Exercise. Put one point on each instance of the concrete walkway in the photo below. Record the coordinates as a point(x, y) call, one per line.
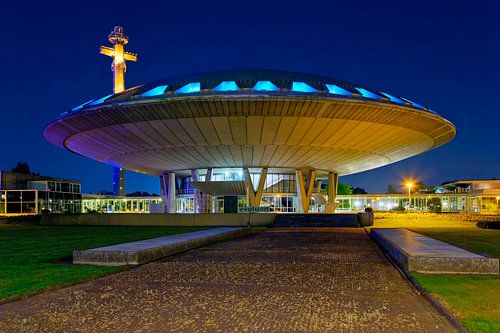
point(418, 253)
point(143, 251)
point(281, 280)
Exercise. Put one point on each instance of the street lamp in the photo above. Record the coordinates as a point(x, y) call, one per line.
point(409, 185)
point(498, 198)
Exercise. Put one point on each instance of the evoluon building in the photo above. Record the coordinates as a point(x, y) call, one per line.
point(226, 140)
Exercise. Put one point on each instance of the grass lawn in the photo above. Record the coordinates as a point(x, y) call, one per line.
point(30, 255)
point(474, 299)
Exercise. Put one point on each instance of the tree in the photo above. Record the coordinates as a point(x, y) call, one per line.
point(22, 167)
point(359, 190)
point(434, 204)
point(391, 189)
point(344, 189)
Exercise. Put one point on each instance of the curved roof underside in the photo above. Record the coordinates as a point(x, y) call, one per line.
point(162, 126)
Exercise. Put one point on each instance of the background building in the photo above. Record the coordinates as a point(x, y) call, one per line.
point(31, 194)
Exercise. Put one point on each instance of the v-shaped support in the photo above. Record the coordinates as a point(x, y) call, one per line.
point(255, 196)
point(304, 193)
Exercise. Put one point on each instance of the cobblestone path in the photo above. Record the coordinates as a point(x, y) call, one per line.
point(281, 280)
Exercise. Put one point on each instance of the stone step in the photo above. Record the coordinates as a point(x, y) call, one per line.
point(140, 252)
point(414, 252)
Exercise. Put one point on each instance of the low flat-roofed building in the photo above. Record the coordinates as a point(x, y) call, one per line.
point(32, 194)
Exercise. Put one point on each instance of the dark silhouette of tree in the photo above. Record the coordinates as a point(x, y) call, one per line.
point(22, 167)
point(359, 190)
point(139, 194)
point(391, 189)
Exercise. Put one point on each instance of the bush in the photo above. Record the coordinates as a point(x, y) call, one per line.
point(488, 225)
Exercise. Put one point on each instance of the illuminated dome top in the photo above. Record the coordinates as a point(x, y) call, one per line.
point(249, 118)
point(263, 82)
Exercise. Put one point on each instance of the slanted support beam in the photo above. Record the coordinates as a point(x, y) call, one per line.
point(167, 184)
point(304, 191)
point(255, 197)
point(333, 182)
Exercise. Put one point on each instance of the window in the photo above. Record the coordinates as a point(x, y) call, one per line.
point(189, 88)
point(414, 104)
point(265, 86)
point(302, 87)
point(336, 90)
point(100, 100)
point(392, 98)
point(76, 108)
point(367, 94)
point(227, 86)
point(155, 91)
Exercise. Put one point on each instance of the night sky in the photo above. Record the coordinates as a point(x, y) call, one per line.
point(442, 54)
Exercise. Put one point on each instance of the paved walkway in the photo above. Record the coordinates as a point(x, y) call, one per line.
point(282, 280)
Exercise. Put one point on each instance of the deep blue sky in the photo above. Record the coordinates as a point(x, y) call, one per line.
point(443, 54)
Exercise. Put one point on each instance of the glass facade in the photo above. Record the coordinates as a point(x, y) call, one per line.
point(104, 204)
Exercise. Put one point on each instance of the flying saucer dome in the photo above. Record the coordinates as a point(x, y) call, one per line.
point(250, 119)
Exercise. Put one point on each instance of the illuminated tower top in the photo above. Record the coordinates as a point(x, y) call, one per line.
point(118, 38)
point(120, 56)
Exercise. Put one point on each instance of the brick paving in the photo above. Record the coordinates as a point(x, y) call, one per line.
point(281, 280)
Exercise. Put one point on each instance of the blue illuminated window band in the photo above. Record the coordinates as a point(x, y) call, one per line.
point(302, 87)
point(336, 90)
point(100, 100)
point(189, 88)
point(227, 86)
point(79, 107)
point(265, 86)
point(160, 90)
point(367, 94)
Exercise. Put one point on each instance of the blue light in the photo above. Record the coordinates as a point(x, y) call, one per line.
point(302, 87)
point(367, 94)
point(265, 86)
point(155, 91)
point(334, 89)
point(414, 104)
point(76, 108)
point(189, 88)
point(227, 86)
point(393, 98)
point(100, 100)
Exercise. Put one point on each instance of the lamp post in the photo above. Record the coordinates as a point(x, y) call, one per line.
point(498, 198)
point(409, 185)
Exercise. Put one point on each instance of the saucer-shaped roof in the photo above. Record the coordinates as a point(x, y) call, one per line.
point(249, 119)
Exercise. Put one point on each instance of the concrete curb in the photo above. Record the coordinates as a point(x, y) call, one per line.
point(140, 252)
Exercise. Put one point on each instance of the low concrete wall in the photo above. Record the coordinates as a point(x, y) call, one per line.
point(140, 252)
point(181, 220)
point(447, 264)
point(317, 220)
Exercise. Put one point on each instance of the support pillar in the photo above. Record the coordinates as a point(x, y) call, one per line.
point(255, 197)
point(304, 193)
point(201, 202)
point(333, 181)
point(167, 185)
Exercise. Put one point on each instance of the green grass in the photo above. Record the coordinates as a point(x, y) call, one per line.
point(31, 256)
point(474, 299)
